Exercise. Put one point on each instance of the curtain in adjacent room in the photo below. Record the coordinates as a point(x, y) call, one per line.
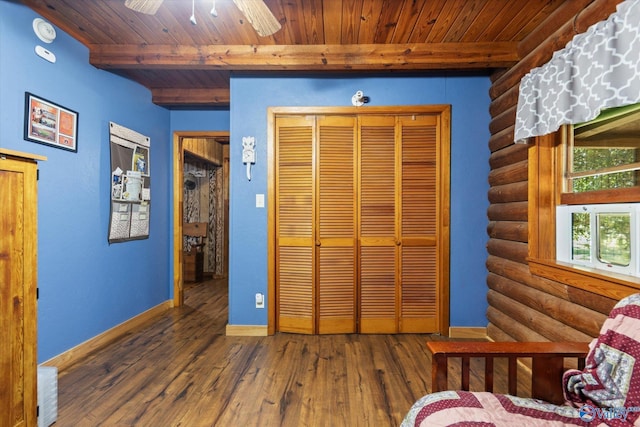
point(205, 203)
point(598, 69)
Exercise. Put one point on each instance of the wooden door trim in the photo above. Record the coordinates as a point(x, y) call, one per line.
point(271, 222)
point(444, 112)
point(178, 173)
point(444, 218)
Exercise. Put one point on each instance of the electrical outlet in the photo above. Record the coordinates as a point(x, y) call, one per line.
point(259, 300)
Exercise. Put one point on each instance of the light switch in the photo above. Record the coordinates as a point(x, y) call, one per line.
point(259, 200)
point(259, 300)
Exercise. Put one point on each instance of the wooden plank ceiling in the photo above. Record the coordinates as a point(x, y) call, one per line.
point(186, 65)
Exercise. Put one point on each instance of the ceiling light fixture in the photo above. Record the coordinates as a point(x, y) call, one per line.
point(193, 12)
point(256, 13)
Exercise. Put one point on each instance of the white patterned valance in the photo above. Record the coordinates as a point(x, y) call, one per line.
point(598, 69)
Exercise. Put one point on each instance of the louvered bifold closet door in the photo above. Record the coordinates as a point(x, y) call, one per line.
point(418, 270)
point(336, 225)
point(378, 224)
point(294, 224)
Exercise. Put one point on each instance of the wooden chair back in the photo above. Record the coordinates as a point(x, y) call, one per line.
point(195, 229)
point(547, 364)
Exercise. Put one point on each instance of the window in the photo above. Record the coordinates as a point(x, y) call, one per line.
point(601, 164)
point(584, 189)
point(600, 236)
point(595, 168)
point(601, 168)
point(604, 154)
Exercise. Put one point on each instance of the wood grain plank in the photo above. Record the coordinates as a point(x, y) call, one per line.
point(407, 20)
point(370, 20)
point(467, 15)
point(389, 14)
point(351, 16)
point(490, 12)
point(426, 21)
point(447, 16)
point(303, 58)
point(312, 15)
point(18, 284)
point(182, 370)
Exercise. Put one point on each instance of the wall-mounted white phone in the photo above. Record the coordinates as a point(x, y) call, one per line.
point(248, 153)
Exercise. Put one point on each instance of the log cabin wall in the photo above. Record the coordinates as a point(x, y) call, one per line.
point(524, 307)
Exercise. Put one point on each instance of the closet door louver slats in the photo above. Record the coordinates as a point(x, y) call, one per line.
point(336, 232)
point(361, 240)
point(294, 225)
point(378, 223)
point(419, 224)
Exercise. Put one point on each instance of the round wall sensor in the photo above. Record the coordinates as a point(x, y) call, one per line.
point(44, 30)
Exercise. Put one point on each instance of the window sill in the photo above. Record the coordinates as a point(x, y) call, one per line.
point(612, 285)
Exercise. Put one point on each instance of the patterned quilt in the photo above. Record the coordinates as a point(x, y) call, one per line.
point(605, 393)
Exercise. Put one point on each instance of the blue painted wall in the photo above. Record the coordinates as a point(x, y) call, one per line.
point(196, 120)
point(86, 285)
point(252, 95)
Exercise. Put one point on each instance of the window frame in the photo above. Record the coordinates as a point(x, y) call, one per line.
point(618, 195)
point(546, 160)
point(564, 239)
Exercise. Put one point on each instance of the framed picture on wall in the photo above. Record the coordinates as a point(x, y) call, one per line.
point(48, 123)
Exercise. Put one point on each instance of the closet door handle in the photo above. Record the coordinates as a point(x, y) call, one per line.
point(398, 242)
point(318, 243)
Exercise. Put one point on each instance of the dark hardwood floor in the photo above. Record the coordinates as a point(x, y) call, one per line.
point(181, 370)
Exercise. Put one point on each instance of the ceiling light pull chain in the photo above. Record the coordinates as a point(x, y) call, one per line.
point(214, 12)
point(193, 12)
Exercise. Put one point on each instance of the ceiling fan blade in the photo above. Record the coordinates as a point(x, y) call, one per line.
point(259, 16)
point(149, 7)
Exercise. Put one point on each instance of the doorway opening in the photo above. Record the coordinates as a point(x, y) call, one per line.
point(200, 195)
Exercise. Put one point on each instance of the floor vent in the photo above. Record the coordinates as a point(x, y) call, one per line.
point(47, 395)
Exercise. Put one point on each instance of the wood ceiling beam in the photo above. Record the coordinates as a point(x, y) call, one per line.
point(369, 57)
point(196, 97)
